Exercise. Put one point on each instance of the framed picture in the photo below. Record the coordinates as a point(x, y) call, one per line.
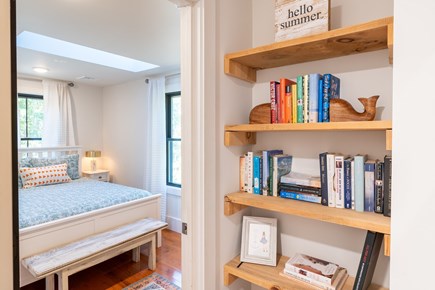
point(259, 240)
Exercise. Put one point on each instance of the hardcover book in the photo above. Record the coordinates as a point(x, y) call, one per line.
point(266, 169)
point(347, 182)
point(300, 196)
point(387, 185)
point(313, 268)
point(301, 188)
point(369, 185)
point(300, 99)
point(282, 165)
point(273, 104)
point(250, 171)
point(320, 98)
point(379, 186)
point(330, 174)
point(286, 100)
point(242, 173)
point(359, 181)
point(367, 263)
point(258, 173)
point(323, 178)
point(331, 90)
point(306, 98)
point(339, 181)
point(294, 90)
point(336, 285)
point(313, 84)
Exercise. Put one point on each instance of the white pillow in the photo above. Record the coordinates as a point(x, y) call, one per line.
point(37, 176)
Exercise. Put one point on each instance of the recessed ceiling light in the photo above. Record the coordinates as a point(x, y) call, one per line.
point(40, 70)
point(62, 48)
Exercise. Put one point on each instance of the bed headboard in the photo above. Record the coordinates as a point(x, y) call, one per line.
point(50, 152)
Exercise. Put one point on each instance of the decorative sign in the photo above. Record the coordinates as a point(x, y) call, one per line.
point(296, 18)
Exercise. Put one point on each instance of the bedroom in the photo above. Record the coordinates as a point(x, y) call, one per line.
point(102, 97)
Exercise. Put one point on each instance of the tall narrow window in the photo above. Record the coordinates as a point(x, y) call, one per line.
point(173, 139)
point(31, 118)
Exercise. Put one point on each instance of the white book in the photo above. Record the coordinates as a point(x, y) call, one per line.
point(339, 181)
point(352, 178)
point(250, 171)
point(330, 173)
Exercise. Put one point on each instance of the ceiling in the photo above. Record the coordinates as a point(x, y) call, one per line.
point(146, 30)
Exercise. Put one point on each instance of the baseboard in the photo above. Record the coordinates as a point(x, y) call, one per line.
point(174, 224)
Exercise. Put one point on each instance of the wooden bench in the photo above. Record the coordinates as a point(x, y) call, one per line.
point(74, 257)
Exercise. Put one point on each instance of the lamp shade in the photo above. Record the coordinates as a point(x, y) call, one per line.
point(93, 153)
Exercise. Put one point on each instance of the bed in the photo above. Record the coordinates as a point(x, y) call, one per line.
point(56, 214)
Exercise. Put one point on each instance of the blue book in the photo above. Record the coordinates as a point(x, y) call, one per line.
point(359, 161)
point(320, 95)
point(347, 183)
point(300, 196)
point(313, 98)
point(369, 185)
point(258, 173)
point(266, 169)
point(331, 90)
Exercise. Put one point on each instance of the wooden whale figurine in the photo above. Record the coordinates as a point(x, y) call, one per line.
point(341, 111)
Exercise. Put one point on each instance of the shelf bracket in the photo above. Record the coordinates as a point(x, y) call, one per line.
point(387, 242)
point(231, 208)
point(239, 138)
point(229, 278)
point(240, 71)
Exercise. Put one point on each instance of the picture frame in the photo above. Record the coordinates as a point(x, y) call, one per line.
point(259, 242)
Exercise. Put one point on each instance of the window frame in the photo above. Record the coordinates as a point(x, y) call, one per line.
point(27, 97)
point(169, 138)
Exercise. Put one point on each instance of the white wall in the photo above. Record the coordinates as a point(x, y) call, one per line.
point(6, 269)
point(362, 75)
point(412, 231)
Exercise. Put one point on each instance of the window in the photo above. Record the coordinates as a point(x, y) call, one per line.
point(173, 139)
point(30, 118)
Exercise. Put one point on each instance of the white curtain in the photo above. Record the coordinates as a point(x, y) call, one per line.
point(58, 120)
point(155, 143)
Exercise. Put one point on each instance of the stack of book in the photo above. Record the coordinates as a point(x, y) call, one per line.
point(316, 272)
point(303, 100)
point(300, 186)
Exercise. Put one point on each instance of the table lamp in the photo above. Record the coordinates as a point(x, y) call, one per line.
point(93, 154)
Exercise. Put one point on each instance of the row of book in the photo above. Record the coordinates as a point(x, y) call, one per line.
point(356, 182)
point(305, 100)
point(330, 276)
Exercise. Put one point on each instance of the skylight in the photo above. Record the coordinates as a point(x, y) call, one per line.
point(59, 47)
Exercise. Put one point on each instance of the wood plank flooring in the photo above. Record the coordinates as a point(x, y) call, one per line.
point(121, 271)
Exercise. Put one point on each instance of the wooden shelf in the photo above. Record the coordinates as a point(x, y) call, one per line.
point(244, 134)
point(351, 218)
point(268, 277)
point(366, 37)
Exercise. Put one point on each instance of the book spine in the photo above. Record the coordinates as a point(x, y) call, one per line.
point(257, 174)
point(313, 84)
point(272, 102)
point(300, 196)
point(352, 182)
point(359, 182)
point(379, 187)
point(387, 185)
point(300, 99)
point(369, 186)
point(294, 90)
point(246, 173)
point(301, 189)
point(308, 280)
point(288, 105)
point(250, 164)
point(330, 173)
point(306, 95)
point(275, 176)
point(369, 257)
point(313, 276)
point(242, 173)
point(323, 178)
point(334, 88)
point(278, 97)
point(320, 97)
point(326, 85)
point(339, 181)
point(347, 183)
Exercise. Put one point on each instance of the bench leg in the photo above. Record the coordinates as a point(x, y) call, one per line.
point(62, 281)
point(152, 254)
point(136, 254)
point(49, 282)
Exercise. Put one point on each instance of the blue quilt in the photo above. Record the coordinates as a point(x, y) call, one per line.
point(43, 204)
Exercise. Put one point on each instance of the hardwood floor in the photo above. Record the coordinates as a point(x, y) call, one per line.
point(121, 271)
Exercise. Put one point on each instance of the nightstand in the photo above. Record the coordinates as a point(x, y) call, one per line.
point(101, 175)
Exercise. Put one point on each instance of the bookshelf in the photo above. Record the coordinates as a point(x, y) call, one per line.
point(269, 277)
point(361, 38)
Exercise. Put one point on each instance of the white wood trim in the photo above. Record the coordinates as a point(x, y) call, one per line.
point(184, 3)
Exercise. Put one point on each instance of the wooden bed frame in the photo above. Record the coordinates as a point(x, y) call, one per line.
point(40, 238)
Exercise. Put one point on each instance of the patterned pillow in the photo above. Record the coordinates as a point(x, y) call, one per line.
point(37, 176)
point(72, 160)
